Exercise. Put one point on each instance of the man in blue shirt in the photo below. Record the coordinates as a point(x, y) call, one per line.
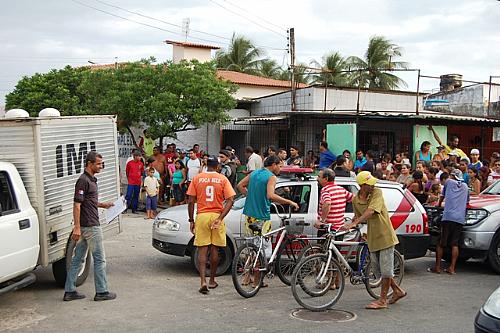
point(258, 187)
point(456, 193)
point(326, 157)
point(360, 161)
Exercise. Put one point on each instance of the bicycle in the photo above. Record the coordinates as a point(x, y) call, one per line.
point(250, 263)
point(318, 280)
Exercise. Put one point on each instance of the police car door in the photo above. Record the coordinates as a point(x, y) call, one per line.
point(301, 193)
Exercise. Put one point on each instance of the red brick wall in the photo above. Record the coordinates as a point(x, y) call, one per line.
point(470, 137)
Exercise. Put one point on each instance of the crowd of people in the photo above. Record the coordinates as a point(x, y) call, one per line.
point(424, 175)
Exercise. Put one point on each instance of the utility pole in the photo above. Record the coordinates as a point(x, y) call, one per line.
point(291, 37)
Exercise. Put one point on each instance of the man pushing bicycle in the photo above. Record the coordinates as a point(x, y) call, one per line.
point(369, 206)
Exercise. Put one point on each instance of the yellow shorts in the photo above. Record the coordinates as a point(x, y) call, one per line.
point(265, 225)
point(204, 235)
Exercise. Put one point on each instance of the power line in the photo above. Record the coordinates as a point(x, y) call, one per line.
point(158, 20)
point(142, 23)
point(248, 19)
point(260, 18)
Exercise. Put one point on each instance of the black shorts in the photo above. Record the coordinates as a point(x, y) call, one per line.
point(450, 233)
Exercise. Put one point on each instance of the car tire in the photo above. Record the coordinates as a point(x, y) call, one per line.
point(225, 260)
point(61, 267)
point(494, 254)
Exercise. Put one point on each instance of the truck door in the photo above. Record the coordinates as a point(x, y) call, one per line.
point(18, 233)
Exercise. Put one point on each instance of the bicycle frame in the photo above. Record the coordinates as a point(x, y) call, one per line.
point(276, 249)
point(332, 249)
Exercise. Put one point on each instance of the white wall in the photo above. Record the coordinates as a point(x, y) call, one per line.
point(189, 53)
point(249, 91)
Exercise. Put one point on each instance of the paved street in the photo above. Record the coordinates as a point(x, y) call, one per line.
point(158, 293)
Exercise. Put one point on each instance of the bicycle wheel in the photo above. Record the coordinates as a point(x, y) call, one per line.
point(373, 282)
point(248, 270)
point(311, 249)
point(287, 258)
point(313, 282)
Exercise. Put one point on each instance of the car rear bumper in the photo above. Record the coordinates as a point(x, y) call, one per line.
point(413, 246)
point(484, 323)
point(169, 248)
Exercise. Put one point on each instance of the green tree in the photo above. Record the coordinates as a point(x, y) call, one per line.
point(371, 71)
point(57, 89)
point(302, 74)
point(241, 56)
point(333, 66)
point(269, 68)
point(168, 98)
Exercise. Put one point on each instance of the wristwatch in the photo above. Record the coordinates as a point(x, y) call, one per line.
point(191, 220)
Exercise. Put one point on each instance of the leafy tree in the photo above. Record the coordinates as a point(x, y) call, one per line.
point(57, 89)
point(333, 66)
point(372, 69)
point(167, 98)
point(241, 56)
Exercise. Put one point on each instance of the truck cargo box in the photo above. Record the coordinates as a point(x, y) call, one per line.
point(49, 154)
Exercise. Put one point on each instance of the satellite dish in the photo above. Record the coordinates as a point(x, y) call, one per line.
point(17, 113)
point(49, 112)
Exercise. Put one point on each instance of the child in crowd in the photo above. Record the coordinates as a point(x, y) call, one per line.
point(433, 198)
point(151, 185)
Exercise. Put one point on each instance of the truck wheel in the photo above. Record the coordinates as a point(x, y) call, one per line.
point(494, 254)
point(225, 260)
point(60, 267)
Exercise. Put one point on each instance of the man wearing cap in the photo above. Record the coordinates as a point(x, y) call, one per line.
point(369, 206)
point(456, 193)
point(453, 143)
point(214, 196)
point(475, 163)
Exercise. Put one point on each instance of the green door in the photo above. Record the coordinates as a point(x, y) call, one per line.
point(341, 137)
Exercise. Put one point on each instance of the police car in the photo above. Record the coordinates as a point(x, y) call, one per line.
point(171, 234)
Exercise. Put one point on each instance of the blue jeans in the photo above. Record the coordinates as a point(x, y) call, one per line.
point(133, 196)
point(91, 238)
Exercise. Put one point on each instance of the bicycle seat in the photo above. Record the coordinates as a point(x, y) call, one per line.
point(255, 227)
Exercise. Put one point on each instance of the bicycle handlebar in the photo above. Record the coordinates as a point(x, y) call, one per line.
point(282, 217)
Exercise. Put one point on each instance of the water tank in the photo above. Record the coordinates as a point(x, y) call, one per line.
point(17, 113)
point(450, 82)
point(49, 112)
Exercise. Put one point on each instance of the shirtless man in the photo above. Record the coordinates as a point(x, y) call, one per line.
point(160, 165)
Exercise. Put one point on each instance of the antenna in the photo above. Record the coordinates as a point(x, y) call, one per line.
point(185, 28)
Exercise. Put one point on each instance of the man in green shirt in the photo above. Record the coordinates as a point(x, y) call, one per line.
point(369, 206)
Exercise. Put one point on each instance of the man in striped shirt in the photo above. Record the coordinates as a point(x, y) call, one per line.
point(333, 200)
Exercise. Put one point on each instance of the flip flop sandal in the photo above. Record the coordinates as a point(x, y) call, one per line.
point(432, 270)
point(214, 286)
point(376, 306)
point(396, 298)
point(450, 272)
point(203, 290)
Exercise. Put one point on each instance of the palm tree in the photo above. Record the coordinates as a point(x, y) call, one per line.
point(371, 71)
point(333, 66)
point(241, 56)
point(269, 68)
point(302, 74)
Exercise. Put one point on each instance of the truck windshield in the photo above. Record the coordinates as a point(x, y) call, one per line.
point(494, 189)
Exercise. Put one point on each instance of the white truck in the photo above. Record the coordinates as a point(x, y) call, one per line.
point(40, 161)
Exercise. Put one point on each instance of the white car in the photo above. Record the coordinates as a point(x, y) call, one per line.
point(171, 232)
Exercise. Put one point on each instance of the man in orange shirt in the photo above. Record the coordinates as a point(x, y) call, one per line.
point(214, 195)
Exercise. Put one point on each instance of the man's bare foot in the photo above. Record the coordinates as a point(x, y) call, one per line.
point(434, 270)
point(376, 305)
point(396, 297)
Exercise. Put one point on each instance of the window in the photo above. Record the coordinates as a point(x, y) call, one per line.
point(297, 193)
point(354, 190)
point(393, 199)
point(8, 203)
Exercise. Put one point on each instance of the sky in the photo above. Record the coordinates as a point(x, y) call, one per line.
point(437, 37)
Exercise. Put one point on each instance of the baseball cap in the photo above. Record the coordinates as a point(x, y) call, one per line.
point(453, 153)
point(474, 151)
point(365, 177)
point(457, 174)
point(212, 161)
